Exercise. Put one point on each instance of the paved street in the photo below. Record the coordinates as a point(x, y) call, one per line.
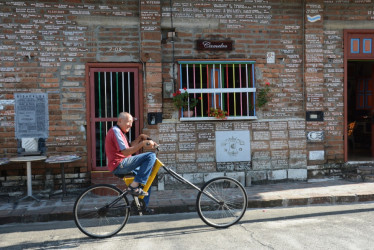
point(313, 227)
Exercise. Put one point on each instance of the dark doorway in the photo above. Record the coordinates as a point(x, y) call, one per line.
point(360, 97)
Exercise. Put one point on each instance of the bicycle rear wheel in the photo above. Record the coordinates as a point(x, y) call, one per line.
point(222, 202)
point(100, 211)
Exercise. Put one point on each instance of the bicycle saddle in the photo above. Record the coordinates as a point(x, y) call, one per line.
point(121, 176)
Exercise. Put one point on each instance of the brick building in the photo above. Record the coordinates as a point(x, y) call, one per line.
point(94, 59)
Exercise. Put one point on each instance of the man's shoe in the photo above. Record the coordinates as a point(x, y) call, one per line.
point(137, 191)
point(149, 211)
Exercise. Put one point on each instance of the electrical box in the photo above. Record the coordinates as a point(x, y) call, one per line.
point(154, 118)
point(316, 116)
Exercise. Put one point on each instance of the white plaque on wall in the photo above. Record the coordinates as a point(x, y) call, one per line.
point(316, 155)
point(232, 146)
point(270, 57)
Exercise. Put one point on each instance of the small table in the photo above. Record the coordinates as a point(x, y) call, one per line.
point(28, 160)
point(4, 161)
point(61, 159)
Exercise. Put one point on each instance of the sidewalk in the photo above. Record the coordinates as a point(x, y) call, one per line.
point(172, 201)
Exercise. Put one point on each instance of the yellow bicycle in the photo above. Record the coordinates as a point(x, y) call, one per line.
point(103, 210)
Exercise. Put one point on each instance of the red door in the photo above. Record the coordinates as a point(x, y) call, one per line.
point(365, 100)
point(112, 88)
point(371, 84)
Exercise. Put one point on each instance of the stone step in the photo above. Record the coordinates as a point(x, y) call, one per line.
point(359, 171)
point(368, 178)
point(365, 170)
point(353, 177)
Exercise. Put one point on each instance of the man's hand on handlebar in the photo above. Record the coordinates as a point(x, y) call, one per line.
point(150, 144)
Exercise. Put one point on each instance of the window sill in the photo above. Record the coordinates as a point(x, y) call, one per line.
point(238, 118)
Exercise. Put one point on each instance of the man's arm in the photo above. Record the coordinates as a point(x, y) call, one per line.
point(136, 147)
point(139, 143)
point(140, 138)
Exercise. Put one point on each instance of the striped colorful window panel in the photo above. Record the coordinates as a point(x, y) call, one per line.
point(225, 85)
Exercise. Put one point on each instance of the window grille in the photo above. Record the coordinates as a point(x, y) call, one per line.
point(225, 85)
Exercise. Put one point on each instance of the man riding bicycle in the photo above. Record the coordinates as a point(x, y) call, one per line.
point(120, 153)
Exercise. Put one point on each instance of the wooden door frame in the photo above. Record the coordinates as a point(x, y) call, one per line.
point(89, 66)
point(347, 33)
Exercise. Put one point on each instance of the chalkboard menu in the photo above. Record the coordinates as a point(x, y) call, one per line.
point(31, 115)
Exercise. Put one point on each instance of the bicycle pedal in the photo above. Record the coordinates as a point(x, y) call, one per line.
point(137, 206)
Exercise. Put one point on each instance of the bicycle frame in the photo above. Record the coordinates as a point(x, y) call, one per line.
point(156, 167)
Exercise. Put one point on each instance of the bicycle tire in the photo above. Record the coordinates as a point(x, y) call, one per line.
point(230, 204)
point(95, 217)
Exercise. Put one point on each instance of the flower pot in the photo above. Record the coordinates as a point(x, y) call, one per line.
point(188, 113)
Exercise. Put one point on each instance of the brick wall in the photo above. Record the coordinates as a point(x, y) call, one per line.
point(278, 150)
point(44, 47)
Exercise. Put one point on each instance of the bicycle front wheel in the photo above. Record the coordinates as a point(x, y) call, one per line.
point(101, 211)
point(222, 202)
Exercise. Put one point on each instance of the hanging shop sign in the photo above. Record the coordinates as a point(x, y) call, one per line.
point(213, 45)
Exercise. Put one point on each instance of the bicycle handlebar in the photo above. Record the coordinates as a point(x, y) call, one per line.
point(156, 147)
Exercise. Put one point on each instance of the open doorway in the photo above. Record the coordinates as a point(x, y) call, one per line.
point(358, 94)
point(360, 97)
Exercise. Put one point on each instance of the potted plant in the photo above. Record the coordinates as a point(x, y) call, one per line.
point(183, 100)
point(217, 113)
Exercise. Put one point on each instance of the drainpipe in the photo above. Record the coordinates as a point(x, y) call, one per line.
point(303, 62)
point(140, 44)
point(172, 41)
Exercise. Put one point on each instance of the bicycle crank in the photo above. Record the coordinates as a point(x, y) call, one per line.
point(138, 205)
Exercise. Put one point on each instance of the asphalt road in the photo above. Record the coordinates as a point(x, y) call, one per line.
point(315, 227)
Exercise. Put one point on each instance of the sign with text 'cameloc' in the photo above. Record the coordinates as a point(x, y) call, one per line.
point(213, 45)
point(31, 115)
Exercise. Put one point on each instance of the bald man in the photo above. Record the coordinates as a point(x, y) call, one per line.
point(120, 153)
